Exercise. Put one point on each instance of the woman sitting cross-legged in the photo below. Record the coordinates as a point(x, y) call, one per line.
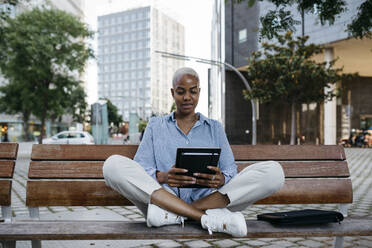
point(156, 187)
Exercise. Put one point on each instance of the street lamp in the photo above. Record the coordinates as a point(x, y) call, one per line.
point(220, 63)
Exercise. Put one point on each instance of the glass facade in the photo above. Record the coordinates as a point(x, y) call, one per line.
point(125, 55)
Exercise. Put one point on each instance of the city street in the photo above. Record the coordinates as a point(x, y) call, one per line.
point(360, 165)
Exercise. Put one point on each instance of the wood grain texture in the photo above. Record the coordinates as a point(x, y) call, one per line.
point(80, 152)
point(241, 152)
point(307, 169)
point(72, 193)
point(65, 169)
point(97, 230)
point(8, 150)
point(5, 192)
point(288, 152)
point(6, 168)
point(312, 191)
point(93, 169)
point(96, 193)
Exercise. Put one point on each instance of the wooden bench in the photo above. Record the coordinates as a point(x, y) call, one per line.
point(8, 154)
point(71, 175)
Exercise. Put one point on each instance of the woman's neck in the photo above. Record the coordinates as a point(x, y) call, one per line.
point(188, 117)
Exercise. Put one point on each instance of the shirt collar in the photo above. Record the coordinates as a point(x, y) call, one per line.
point(202, 118)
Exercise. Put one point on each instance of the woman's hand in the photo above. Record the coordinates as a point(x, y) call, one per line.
point(174, 178)
point(212, 181)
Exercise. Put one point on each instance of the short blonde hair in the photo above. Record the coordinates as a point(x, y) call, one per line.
point(182, 72)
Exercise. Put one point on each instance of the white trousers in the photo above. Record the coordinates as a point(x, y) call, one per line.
point(253, 183)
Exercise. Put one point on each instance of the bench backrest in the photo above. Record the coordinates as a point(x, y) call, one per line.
point(8, 155)
point(71, 175)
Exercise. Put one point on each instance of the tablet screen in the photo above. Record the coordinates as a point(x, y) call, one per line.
point(197, 160)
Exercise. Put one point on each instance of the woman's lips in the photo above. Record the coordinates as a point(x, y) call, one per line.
point(187, 106)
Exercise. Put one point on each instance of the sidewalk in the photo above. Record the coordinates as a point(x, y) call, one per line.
point(360, 164)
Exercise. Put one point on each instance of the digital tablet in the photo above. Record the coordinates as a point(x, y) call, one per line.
point(196, 160)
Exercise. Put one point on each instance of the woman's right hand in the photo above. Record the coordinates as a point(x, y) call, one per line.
point(174, 178)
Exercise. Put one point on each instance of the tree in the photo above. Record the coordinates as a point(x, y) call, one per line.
point(286, 72)
point(44, 50)
point(113, 116)
point(10, 103)
point(281, 20)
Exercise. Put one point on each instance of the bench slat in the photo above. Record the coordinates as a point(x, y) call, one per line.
point(96, 193)
point(8, 150)
point(306, 169)
point(5, 194)
point(6, 168)
point(287, 152)
point(65, 169)
point(80, 152)
point(95, 230)
point(93, 169)
point(72, 193)
point(241, 152)
point(312, 191)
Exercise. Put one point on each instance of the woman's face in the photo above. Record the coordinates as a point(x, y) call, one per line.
point(186, 93)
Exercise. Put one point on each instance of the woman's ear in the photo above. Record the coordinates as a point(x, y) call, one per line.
point(172, 92)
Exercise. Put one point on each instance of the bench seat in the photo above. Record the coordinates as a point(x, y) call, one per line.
point(95, 230)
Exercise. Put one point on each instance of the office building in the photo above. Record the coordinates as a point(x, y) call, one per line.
point(131, 74)
point(318, 123)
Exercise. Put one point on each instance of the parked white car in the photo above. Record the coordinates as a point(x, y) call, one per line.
point(70, 137)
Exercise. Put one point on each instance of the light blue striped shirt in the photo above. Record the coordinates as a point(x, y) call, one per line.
point(161, 139)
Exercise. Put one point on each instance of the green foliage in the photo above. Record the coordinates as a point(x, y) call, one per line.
point(280, 20)
point(286, 72)
point(113, 116)
point(174, 107)
point(361, 26)
point(142, 125)
point(44, 51)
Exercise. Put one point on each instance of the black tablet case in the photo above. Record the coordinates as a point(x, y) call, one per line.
point(197, 160)
point(302, 217)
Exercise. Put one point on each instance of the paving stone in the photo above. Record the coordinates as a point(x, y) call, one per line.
point(198, 243)
point(311, 243)
point(226, 243)
point(168, 244)
point(256, 242)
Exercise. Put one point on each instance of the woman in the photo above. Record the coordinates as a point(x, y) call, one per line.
point(154, 185)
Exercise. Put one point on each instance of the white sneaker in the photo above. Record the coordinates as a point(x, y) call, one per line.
point(222, 220)
point(157, 216)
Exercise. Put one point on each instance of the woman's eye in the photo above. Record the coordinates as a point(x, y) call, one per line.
point(180, 92)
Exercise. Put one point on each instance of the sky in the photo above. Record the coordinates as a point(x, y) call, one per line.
point(195, 15)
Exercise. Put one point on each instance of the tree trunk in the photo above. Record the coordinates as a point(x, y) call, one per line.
point(42, 131)
point(26, 131)
point(293, 123)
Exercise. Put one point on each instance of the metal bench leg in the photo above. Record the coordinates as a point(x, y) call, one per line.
point(6, 212)
point(34, 214)
point(8, 244)
point(339, 242)
point(342, 208)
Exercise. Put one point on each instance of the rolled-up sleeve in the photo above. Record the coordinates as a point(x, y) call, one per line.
point(227, 162)
point(145, 153)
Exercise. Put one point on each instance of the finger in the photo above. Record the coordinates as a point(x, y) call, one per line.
point(204, 175)
point(214, 168)
point(177, 170)
point(176, 183)
point(181, 177)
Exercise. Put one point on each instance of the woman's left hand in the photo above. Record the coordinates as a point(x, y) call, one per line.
point(209, 180)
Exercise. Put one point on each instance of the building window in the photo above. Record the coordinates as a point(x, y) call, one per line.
point(243, 35)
